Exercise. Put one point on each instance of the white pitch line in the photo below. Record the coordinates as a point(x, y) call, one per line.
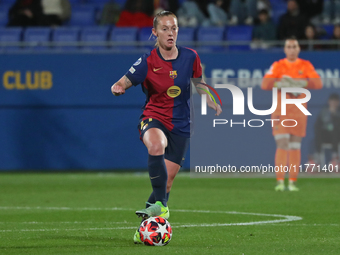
point(309, 225)
point(64, 222)
point(231, 212)
point(129, 209)
point(286, 218)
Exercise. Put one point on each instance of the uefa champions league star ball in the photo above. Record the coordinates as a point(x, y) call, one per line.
point(155, 231)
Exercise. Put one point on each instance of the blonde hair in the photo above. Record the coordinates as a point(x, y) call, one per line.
point(161, 15)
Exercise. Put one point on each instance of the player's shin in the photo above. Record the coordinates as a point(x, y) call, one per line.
point(281, 158)
point(294, 160)
point(158, 176)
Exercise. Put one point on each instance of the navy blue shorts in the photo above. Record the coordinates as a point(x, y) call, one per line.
point(177, 145)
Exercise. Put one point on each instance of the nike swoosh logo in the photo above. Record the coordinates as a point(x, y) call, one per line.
point(155, 70)
point(154, 177)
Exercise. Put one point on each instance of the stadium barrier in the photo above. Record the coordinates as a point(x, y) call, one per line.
point(109, 44)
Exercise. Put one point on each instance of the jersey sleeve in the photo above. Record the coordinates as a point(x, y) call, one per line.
point(197, 67)
point(273, 71)
point(270, 76)
point(310, 70)
point(315, 81)
point(138, 71)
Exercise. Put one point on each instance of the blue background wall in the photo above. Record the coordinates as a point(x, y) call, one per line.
point(78, 124)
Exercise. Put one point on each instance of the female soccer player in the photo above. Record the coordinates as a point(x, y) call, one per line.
point(164, 126)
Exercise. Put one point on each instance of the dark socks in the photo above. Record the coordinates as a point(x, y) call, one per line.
point(158, 176)
point(167, 196)
point(152, 199)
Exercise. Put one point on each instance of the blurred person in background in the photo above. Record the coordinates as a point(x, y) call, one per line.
point(294, 72)
point(310, 37)
point(327, 129)
point(136, 13)
point(193, 13)
point(25, 13)
point(336, 36)
point(263, 4)
point(293, 22)
point(242, 11)
point(312, 9)
point(218, 13)
point(110, 14)
point(55, 12)
point(264, 30)
point(169, 5)
point(331, 12)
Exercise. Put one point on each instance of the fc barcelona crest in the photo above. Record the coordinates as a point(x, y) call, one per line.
point(173, 74)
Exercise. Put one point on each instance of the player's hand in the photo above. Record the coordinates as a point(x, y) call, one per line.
point(215, 107)
point(301, 83)
point(117, 90)
point(289, 82)
point(294, 83)
point(285, 82)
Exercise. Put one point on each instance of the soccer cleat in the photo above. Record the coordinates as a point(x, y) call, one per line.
point(292, 187)
point(280, 187)
point(156, 209)
point(136, 237)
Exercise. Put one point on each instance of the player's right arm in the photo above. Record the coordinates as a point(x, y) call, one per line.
point(136, 75)
point(120, 86)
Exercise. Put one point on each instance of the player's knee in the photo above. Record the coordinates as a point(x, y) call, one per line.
point(294, 145)
point(282, 141)
point(156, 148)
point(283, 146)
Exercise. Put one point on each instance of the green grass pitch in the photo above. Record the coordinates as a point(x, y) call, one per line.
point(93, 213)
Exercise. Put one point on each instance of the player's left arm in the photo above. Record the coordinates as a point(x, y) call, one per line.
point(314, 80)
point(201, 88)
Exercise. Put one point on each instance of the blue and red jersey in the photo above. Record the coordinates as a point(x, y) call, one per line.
point(166, 84)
